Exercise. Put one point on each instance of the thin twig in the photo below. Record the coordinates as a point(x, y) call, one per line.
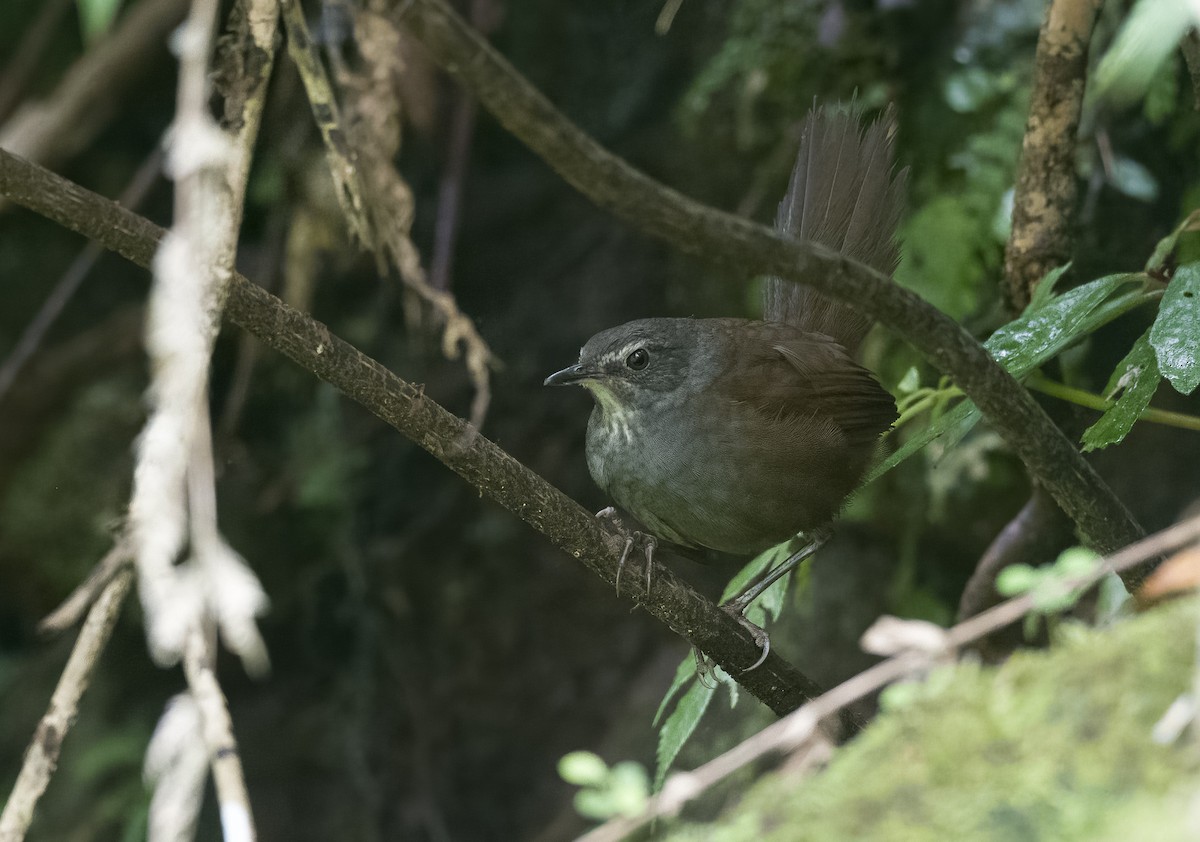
point(41, 758)
point(81, 599)
point(795, 730)
point(1090, 400)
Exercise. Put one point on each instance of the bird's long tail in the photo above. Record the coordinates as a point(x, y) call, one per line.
point(844, 194)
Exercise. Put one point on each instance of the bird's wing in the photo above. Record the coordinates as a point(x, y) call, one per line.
point(793, 374)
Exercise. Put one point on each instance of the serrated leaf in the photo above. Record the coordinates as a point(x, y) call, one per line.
point(1176, 332)
point(582, 768)
point(1135, 379)
point(683, 674)
point(679, 727)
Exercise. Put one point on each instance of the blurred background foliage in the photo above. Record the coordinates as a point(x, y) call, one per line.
point(432, 657)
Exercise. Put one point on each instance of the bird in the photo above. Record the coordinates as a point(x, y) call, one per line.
point(734, 434)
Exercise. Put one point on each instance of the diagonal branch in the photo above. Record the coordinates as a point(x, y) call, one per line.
point(1103, 522)
point(404, 406)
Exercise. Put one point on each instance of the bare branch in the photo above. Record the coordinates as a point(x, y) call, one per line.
point(41, 758)
point(83, 597)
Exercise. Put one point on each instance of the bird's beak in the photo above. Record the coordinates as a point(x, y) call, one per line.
point(571, 374)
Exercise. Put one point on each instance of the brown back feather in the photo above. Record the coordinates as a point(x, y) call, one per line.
point(787, 374)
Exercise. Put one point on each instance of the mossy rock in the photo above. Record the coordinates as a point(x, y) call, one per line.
point(1051, 746)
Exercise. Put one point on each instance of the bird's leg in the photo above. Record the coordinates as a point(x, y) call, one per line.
point(737, 606)
point(649, 545)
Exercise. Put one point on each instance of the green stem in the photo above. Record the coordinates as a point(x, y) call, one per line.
point(1093, 401)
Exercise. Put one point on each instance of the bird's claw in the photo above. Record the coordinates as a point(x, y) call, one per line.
point(757, 632)
point(649, 545)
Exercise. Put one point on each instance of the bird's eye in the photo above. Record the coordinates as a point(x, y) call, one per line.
point(638, 359)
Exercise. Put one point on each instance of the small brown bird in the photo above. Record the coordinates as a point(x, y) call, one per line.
point(737, 435)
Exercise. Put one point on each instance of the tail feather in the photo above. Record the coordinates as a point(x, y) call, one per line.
point(844, 195)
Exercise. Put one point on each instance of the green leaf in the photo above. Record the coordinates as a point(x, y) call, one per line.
point(679, 727)
point(1167, 245)
point(1176, 332)
point(683, 674)
point(1043, 293)
point(732, 686)
point(594, 804)
point(1076, 561)
point(583, 768)
point(761, 563)
point(1150, 34)
point(629, 786)
point(1136, 379)
point(96, 17)
point(1029, 341)
point(1017, 579)
point(1036, 336)
point(953, 425)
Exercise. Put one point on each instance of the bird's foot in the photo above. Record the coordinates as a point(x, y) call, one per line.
point(649, 545)
point(734, 609)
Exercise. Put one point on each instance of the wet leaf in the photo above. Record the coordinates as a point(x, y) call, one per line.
point(1176, 332)
point(1135, 380)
